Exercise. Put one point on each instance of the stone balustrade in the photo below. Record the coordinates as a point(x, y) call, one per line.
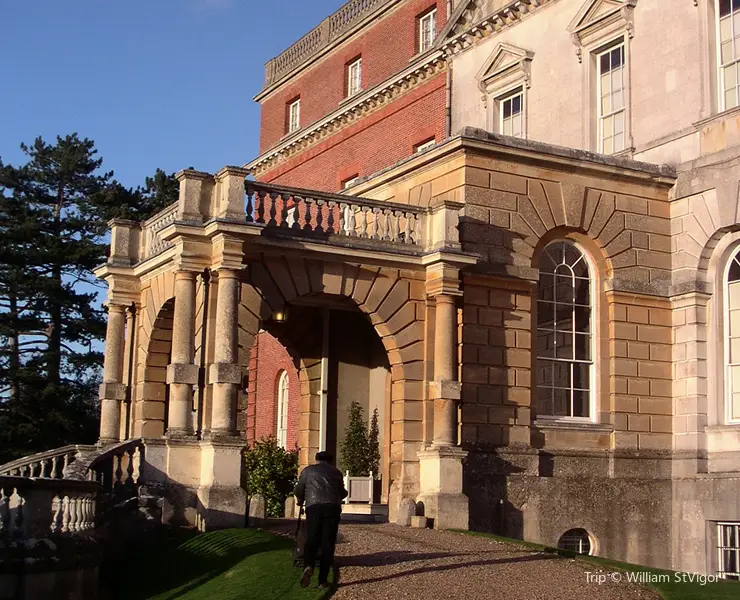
point(51, 464)
point(35, 508)
point(302, 211)
point(329, 30)
point(151, 243)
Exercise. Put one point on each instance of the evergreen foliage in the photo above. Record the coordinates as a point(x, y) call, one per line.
point(360, 450)
point(271, 471)
point(373, 445)
point(53, 224)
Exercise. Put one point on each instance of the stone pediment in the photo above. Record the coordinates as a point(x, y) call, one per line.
point(505, 63)
point(598, 19)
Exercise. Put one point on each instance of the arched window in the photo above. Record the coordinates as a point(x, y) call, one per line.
point(282, 409)
point(565, 344)
point(732, 339)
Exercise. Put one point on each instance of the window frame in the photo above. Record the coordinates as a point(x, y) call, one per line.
point(282, 405)
point(619, 42)
point(355, 63)
point(430, 15)
point(348, 183)
point(593, 417)
point(721, 100)
point(727, 400)
point(721, 567)
point(519, 90)
point(294, 103)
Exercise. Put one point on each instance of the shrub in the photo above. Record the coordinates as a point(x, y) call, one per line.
point(271, 471)
point(360, 449)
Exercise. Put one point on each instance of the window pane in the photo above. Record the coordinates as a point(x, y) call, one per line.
point(735, 408)
point(583, 347)
point(616, 58)
point(616, 80)
point(544, 373)
point(618, 142)
point(726, 52)
point(730, 76)
point(564, 289)
point(556, 254)
point(604, 63)
point(581, 404)
point(545, 289)
point(724, 7)
point(561, 374)
point(619, 123)
point(582, 291)
point(564, 345)
point(546, 345)
point(581, 376)
point(583, 319)
point(545, 315)
point(507, 127)
point(507, 109)
point(517, 104)
point(561, 403)
point(735, 323)
point(517, 129)
point(544, 400)
point(608, 146)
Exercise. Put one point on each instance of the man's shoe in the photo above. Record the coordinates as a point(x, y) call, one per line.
point(306, 577)
point(324, 585)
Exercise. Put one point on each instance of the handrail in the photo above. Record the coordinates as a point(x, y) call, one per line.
point(49, 464)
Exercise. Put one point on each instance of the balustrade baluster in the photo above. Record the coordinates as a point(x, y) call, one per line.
point(407, 228)
point(297, 203)
point(65, 514)
point(260, 200)
point(5, 495)
point(56, 514)
point(309, 203)
point(55, 468)
point(273, 208)
point(376, 224)
point(363, 222)
point(342, 220)
point(118, 473)
point(130, 468)
point(284, 211)
point(250, 206)
point(319, 216)
point(331, 207)
point(394, 218)
point(352, 221)
point(46, 469)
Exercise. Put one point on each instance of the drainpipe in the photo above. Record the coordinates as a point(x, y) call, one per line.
point(132, 329)
point(448, 100)
point(324, 380)
point(206, 276)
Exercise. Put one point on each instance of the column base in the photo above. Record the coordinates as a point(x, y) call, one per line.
point(222, 502)
point(441, 487)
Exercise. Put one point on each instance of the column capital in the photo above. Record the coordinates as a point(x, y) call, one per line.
point(228, 253)
point(443, 279)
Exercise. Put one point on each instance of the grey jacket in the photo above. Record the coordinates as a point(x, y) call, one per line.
point(320, 484)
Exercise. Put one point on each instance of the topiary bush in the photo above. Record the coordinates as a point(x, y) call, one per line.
point(271, 471)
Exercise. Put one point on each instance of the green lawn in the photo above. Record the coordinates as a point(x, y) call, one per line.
point(671, 590)
point(242, 564)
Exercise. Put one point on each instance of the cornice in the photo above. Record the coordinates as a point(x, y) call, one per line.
point(351, 112)
point(452, 43)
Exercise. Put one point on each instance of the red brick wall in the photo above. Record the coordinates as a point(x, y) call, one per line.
point(378, 141)
point(386, 48)
point(269, 358)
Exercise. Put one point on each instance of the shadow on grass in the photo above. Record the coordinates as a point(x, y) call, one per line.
point(179, 565)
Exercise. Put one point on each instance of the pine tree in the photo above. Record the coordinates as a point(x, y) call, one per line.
point(354, 447)
point(53, 224)
point(373, 445)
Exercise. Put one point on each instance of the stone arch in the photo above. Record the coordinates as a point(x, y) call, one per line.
point(394, 302)
point(150, 416)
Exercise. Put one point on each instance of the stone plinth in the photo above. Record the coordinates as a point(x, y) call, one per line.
point(441, 487)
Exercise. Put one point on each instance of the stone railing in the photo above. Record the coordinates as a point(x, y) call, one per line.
point(52, 464)
point(329, 30)
point(151, 243)
point(35, 508)
point(305, 212)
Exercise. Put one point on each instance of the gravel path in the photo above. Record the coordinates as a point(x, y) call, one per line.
point(389, 562)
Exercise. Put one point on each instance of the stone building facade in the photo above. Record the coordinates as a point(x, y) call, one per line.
point(547, 292)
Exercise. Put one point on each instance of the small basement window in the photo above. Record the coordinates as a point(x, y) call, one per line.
point(576, 540)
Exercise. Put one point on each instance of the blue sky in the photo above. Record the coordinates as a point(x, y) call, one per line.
point(156, 83)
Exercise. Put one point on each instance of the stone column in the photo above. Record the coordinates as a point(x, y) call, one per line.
point(182, 373)
point(441, 464)
point(445, 372)
point(112, 390)
point(225, 372)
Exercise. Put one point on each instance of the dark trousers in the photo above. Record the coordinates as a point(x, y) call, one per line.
point(322, 524)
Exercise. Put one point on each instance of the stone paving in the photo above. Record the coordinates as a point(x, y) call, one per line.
point(389, 562)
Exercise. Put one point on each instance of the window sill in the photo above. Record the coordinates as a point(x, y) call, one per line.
point(572, 425)
point(720, 116)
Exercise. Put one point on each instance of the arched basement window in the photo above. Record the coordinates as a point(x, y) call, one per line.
point(732, 339)
point(576, 540)
point(565, 345)
point(282, 409)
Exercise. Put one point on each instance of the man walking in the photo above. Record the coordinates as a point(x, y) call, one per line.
point(321, 488)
